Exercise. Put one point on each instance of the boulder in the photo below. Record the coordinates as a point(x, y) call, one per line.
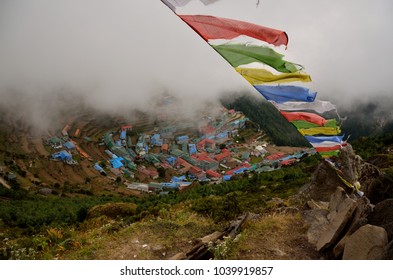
point(312, 204)
point(377, 187)
point(367, 243)
point(211, 237)
point(336, 199)
point(324, 183)
point(388, 252)
point(336, 224)
point(389, 230)
point(350, 163)
point(360, 218)
point(45, 191)
point(317, 222)
point(383, 213)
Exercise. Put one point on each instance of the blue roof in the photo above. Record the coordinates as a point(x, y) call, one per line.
point(192, 149)
point(227, 177)
point(63, 155)
point(171, 160)
point(178, 179)
point(222, 135)
point(183, 137)
point(170, 185)
point(116, 162)
point(69, 145)
point(98, 167)
point(123, 135)
point(240, 170)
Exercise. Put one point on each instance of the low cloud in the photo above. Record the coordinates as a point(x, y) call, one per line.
point(116, 56)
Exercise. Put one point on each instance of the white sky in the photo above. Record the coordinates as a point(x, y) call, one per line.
point(119, 53)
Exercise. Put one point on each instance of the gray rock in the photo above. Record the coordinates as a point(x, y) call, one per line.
point(350, 163)
point(317, 223)
point(339, 220)
point(211, 237)
point(367, 243)
point(336, 199)
point(324, 183)
point(45, 191)
point(312, 204)
point(360, 218)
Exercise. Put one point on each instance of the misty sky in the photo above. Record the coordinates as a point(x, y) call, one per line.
point(121, 53)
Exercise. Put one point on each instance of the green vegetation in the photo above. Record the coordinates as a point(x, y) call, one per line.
point(269, 120)
point(370, 146)
point(28, 216)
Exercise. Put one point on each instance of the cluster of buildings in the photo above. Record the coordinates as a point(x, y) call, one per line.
point(198, 155)
point(206, 153)
point(65, 147)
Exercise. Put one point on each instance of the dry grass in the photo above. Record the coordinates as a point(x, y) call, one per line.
point(275, 237)
point(172, 232)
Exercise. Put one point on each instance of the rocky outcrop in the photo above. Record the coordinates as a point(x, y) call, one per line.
point(338, 230)
point(367, 243)
point(383, 216)
point(360, 218)
point(377, 187)
point(350, 164)
point(317, 221)
point(323, 183)
point(383, 213)
point(337, 221)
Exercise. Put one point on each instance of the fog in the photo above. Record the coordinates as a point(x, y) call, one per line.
point(119, 55)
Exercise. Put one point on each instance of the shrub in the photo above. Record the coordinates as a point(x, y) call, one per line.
point(113, 210)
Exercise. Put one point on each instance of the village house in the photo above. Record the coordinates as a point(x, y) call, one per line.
point(206, 144)
point(197, 172)
point(223, 156)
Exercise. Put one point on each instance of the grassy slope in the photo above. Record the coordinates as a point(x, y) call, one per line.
point(166, 224)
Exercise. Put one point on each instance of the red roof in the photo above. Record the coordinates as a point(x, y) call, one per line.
point(164, 147)
point(126, 127)
point(231, 172)
point(182, 162)
point(224, 154)
point(166, 165)
point(195, 169)
point(275, 156)
point(202, 143)
point(288, 162)
point(213, 174)
point(202, 157)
